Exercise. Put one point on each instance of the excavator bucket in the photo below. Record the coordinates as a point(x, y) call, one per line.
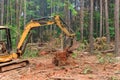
point(13, 65)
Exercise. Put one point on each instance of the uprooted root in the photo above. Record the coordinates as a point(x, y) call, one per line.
point(61, 58)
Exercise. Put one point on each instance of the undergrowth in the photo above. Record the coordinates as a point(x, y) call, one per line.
point(105, 58)
point(30, 53)
point(87, 70)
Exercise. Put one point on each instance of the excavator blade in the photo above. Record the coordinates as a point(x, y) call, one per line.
point(7, 66)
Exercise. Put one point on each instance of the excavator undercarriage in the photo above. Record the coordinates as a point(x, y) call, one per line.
point(14, 64)
point(10, 60)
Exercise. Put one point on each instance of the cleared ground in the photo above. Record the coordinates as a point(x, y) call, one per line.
point(82, 66)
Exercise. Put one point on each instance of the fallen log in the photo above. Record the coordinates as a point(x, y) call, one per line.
point(63, 78)
point(108, 51)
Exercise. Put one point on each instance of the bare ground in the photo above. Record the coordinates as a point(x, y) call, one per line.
point(81, 67)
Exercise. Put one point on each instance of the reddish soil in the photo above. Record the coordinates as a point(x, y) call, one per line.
point(81, 67)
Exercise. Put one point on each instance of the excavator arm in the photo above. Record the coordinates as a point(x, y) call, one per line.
point(29, 26)
point(34, 24)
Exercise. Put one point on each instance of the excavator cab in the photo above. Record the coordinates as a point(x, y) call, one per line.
point(5, 40)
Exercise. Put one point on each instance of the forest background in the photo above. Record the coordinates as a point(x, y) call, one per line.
point(89, 19)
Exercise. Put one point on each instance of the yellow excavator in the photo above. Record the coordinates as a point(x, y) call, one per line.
point(11, 60)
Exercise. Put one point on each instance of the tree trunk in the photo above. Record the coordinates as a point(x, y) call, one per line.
point(2, 11)
point(10, 12)
point(7, 18)
point(20, 13)
point(67, 13)
point(67, 19)
point(106, 21)
point(17, 13)
point(81, 18)
point(24, 12)
point(17, 20)
point(116, 18)
point(101, 18)
point(91, 26)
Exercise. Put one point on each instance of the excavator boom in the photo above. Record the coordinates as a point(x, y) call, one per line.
point(38, 23)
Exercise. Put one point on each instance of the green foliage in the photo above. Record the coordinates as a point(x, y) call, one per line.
point(113, 78)
point(54, 4)
point(14, 34)
point(97, 16)
point(59, 4)
point(108, 58)
point(57, 13)
point(86, 24)
point(78, 35)
point(82, 46)
point(33, 8)
point(111, 10)
point(97, 23)
point(112, 32)
point(51, 4)
point(74, 55)
point(111, 28)
point(111, 20)
point(30, 53)
point(87, 70)
point(71, 7)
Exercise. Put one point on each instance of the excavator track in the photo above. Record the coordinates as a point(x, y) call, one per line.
point(13, 65)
